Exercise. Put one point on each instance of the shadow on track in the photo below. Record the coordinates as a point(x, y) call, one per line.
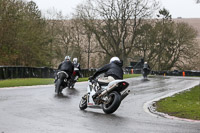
point(72, 91)
point(59, 96)
point(103, 116)
point(145, 80)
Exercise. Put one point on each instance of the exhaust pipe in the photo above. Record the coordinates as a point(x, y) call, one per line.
point(108, 90)
point(125, 94)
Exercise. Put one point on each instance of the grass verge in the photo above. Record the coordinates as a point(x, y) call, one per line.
point(42, 81)
point(125, 76)
point(25, 82)
point(183, 105)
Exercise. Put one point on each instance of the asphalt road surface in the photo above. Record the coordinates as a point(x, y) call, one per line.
point(37, 109)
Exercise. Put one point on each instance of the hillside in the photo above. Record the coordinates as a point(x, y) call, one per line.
point(194, 22)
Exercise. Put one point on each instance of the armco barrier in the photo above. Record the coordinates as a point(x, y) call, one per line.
point(177, 73)
point(9, 72)
point(87, 72)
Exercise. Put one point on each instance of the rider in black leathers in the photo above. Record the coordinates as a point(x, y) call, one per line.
point(146, 66)
point(67, 66)
point(113, 69)
point(146, 70)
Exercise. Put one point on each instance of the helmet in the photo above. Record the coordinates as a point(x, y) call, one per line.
point(67, 58)
point(114, 59)
point(75, 60)
point(145, 62)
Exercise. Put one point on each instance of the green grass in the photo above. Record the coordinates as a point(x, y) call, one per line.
point(83, 79)
point(25, 82)
point(42, 81)
point(131, 75)
point(183, 105)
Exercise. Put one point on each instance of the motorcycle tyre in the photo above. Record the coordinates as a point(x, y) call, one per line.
point(114, 105)
point(144, 76)
point(58, 89)
point(83, 103)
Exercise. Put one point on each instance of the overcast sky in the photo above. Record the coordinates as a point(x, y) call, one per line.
point(178, 8)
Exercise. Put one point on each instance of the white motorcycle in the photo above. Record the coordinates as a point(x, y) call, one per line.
point(108, 96)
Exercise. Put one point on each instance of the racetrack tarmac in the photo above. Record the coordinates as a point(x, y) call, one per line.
point(37, 109)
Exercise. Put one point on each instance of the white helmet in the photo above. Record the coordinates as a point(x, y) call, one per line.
point(145, 62)
point(75, 60)
point(67, 58)
point(114, 59)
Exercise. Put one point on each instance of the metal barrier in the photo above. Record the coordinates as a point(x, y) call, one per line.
point(177, 73)
point(9, 72)
point(87, 72)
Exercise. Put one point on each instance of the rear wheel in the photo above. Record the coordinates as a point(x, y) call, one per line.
point(113, 103)
point(83, 102)
point(58, 88)
point(145, 76)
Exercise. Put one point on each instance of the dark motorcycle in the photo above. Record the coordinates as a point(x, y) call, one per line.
point(74, 78)
point(145, 72)
point(61, 81)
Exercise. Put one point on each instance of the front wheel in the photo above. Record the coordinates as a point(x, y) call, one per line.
point(83, 102)
point(113, 103)
point(145, 76)
point(70, 84)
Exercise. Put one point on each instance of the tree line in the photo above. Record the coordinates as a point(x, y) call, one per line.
point(97, 31)
point(23, 36)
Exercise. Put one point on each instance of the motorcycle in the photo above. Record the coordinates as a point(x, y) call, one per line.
point(145, 72)
point(61, 82)
point(109, 95)
point(74, 78)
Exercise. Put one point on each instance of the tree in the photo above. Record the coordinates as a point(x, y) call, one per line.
point(164, 30)
point(78, 41)
point(115, 23)
point(166, 44)
point(23, 36)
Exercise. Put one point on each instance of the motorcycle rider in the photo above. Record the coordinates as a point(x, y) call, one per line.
point(66, 66)
point(112, 71)
point(146, 66)
point(77, 67)
point(146, 69)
